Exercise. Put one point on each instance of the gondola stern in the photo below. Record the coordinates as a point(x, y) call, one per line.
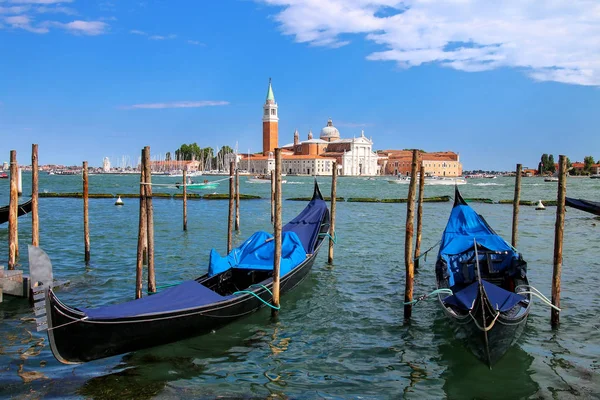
point(317, 192)
point(458, 199)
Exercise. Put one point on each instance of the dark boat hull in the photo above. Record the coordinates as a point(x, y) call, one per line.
point(584, 205)
point(22, 209)
point(490, 346)
point(83, 340)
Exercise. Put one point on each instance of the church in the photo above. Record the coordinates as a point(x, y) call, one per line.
point(312, 156)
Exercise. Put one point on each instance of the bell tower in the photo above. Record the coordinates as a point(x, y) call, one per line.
point(270, 123)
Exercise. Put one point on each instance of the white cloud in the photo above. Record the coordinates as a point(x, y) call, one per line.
point(160, 37)
point(25, 23)
point(39, 1)
point(195, 43)
point(90, 28)
point(137, 32)
point(551, 40)
point(177, 104)
point(13, 9)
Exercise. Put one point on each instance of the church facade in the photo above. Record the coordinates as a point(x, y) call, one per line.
point(355, 157)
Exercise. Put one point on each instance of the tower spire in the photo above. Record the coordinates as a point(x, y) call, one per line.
point(270, 95)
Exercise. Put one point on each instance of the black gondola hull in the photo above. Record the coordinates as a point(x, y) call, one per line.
point(86, 340)
point(490, 346)
point(22, 209)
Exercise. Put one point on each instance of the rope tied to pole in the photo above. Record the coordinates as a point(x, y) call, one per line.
point(423, 297)
point(538, 294)
point(327, 235)
point(424, 254)
point(258, 297)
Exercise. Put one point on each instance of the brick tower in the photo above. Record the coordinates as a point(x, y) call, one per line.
point(270, 123)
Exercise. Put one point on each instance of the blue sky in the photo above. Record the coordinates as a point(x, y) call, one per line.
point(498, 83)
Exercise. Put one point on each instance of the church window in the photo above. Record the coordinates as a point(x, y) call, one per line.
point(273, 111)
point(267, 112)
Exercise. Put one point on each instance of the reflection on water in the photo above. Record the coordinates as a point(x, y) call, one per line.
point(466, 377)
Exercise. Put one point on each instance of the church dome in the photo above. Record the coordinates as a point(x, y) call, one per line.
point(330, 132)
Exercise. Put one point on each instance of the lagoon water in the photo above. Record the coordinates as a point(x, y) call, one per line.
point(341, 333)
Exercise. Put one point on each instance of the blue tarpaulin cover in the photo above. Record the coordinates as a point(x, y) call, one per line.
point(308, 224)
point(456, 246)
point(299, 238)
point(257, 253)
point(189, 294)
point(500, 299)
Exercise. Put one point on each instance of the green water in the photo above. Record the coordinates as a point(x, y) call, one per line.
point(341, 333)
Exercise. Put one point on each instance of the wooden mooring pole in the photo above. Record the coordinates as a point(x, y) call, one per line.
point(86, 216)
point(272, 196)
point(517, 200)
point(237, 200)
point(231, 207)
point(13, 230)
point(141, 250)
point(277, 233)
point(408, 256)
point(35, 220)
point(332, 219)
point(150, 220)
point(185, 198)
point(419, 214)
point(558, 238)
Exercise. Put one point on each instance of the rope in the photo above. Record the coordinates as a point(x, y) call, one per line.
point(68, 323)
point(423, 297)
point(537, 294)
point(258, 297)
point(428, 250)
point(485, 329)
point(326, 234)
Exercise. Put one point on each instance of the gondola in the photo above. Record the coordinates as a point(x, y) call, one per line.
point(490, 301)
point(584, 205)
point(235, 285)
point(22, 209)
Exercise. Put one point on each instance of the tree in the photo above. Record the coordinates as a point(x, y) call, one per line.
point(543, 164)
point(551, 166)
point(588, 161)
point(168, 156)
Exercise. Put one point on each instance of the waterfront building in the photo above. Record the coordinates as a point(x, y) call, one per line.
point(106, 165)
point(398, 162)
point(313, 156)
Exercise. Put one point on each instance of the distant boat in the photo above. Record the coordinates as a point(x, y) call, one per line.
point(400, 180)
point(262, 179)
point(595, 176)
point(191, 185)
point(3, 175)
point(551, 179)
point(444, 180)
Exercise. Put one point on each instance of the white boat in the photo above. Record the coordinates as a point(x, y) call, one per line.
point(400, 180)
point(595, 176)
point(444, 180)
point(262, 179)
point(551, 179)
